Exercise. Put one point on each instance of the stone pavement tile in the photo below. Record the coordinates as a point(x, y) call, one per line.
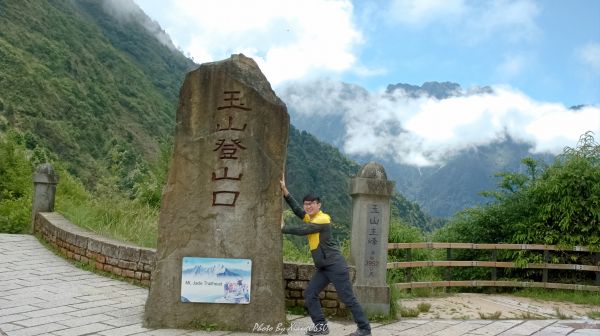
point(585, 332)
point(16, 302)
point(23, 292)
point(9, 286)
point(91, 311)
point(582, 327)
point(207, 333)
point(423, 329)
point(461, 328)
point(32, 262)
point(130, 305)
point(93, 304)
point(118, 312)
point(19, 283)
point(93, 279)
point(416, 321)
point(73, 290)
point(54, 302)
point(41, 282)
point(12, 318)
point(50, 311)
point(62, 271)
point(88, 329)
point(527, 328)
point(170, 332)
point(10, 327)
point(555, 329)
point(183, 332)
point(37, 330)
point(125, 321)
point(80, 321)
point(496, 327)
point(17, 309)
point(31, 322)
point(400, 326)
point(98, 297)
point(579, 323)
point(125, 331)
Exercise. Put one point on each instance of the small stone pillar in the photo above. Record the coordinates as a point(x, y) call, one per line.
point(371, 192)
point(45, 180)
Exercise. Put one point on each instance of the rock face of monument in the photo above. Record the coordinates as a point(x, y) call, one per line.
point(222, 201)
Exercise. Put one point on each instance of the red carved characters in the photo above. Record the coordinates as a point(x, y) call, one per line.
point(229, 147)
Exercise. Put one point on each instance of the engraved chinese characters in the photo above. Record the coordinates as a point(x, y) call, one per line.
point(228, 146)
point(373, 241)
point(222, 200)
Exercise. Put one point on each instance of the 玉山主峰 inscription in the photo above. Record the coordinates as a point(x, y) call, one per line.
point(373, 240)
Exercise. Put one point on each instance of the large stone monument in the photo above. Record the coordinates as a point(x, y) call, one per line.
point(371, 192)
point(219, 253)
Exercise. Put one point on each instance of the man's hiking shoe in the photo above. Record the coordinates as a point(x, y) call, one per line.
point(361, 332)
point(319, 329)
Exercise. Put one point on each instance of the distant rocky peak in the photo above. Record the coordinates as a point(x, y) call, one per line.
point(438, 90)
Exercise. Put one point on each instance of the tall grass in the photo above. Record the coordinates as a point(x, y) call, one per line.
point(577, 297)
point(109, 214)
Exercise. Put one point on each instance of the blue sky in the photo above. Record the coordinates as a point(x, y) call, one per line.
point(539, 58)
point(549, 50)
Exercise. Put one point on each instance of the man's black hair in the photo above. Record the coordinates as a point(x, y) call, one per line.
point(311, 198)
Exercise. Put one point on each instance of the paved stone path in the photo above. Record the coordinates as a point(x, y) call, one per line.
point(42, 294)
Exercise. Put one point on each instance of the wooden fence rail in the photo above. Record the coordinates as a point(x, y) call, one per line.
point(493, 264)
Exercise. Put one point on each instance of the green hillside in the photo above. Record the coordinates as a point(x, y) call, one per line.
point(97, 93)
point(81, 81)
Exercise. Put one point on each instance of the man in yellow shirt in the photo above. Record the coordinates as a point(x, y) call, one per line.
point(330, 265)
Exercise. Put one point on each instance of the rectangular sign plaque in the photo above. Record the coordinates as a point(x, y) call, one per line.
point(216, 280)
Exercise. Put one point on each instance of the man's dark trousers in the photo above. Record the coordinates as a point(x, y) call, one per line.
point(337, 274)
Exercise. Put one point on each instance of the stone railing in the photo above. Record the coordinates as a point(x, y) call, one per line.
point(109, 255)
point(136, 263)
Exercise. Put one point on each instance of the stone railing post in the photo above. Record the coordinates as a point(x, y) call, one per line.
point(45, 180)
point(371, 193)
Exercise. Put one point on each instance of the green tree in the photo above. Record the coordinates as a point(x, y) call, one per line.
point(15, 183)
point(557, 204)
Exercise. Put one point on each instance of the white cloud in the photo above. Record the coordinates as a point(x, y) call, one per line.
point(471, 21)
point(589, 55)
point(288, 39)
point(425, 130)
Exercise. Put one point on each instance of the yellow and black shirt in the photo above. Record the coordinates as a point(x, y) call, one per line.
point(323, 248)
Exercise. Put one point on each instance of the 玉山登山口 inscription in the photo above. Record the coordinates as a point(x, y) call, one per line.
point(228, 146)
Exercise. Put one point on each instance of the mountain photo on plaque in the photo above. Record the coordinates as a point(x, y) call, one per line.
point(216, 280)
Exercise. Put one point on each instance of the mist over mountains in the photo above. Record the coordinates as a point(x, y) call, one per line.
point(442, 144)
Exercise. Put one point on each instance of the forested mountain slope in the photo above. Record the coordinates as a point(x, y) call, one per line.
point(81, 81)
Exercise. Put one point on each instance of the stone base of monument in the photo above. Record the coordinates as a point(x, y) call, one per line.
point(374, 300)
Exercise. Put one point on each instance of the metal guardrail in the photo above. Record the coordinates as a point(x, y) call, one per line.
point(493, 264)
